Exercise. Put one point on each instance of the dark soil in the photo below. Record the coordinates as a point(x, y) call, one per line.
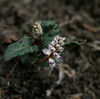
point(79, 20)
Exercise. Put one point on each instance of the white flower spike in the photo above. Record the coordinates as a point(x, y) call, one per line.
point(37, 30)
point(53, 50)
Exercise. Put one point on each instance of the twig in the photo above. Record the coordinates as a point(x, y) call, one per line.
point(94, 95)
point(94, 46)
point(50, 72)
point(70, 75)
point(75, 18)
point(89, 28)
point(0, 93)
point(71, 72)
point(96, 42)
point(11, 71)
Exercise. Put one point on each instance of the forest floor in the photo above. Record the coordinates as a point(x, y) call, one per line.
point(78, 21)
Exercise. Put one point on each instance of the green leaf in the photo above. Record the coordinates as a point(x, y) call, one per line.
point(42, 56)
point(43, 64)
point(29, 59)
point(34, 48)
point(29, 27)
point(25, 58)
point(47, 24)
point(49, 31)
point(73, 44)
point(32, 60)
point(20, 48)
point(47, 41)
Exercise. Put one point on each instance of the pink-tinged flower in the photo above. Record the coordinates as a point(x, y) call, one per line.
point(55, 39)
point(47, 52)
point(52, 63)
point(53, 43)
point(57, 56)
point(51, 48)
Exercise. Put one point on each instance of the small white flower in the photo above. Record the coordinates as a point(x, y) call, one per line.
point(52, 63)
point(51, 48)
point(55, 39)
point(53, 43)
point(46, 51)
point(37, 31)
point(57, 45)
point(57, 56)
point(59, 38)
point(63, 38)
point(59, 48)
point(61, 43)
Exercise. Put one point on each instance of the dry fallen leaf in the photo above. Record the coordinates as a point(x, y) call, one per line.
point(77, 96)
point(7, 34)
point(89, 28)
point(70, 72)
